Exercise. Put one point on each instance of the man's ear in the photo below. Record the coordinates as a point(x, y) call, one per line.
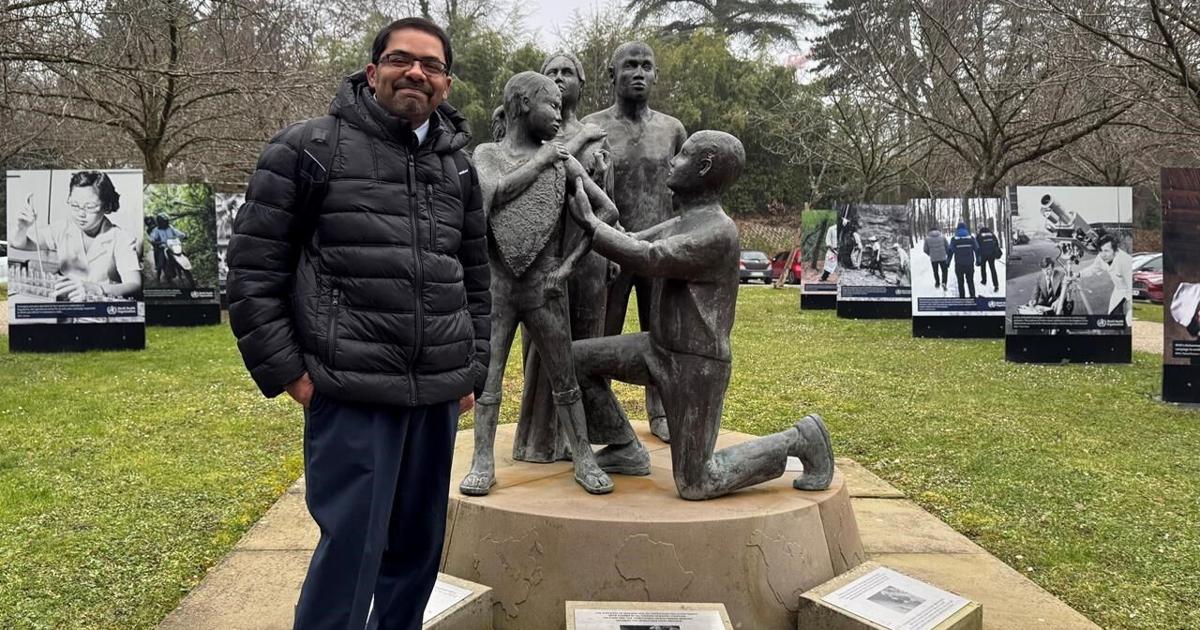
point(705, 165)
point(449, 84)
point(612, 75)
point(372, 75)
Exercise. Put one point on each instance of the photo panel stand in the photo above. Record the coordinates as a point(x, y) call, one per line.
point(1180, 267)
point(182, 256)
point(873, 261)
point(1068, 348)
point(873, 310)
point(63, 296)
point(1181, 384)
point(818, 301)
point(76, 337)
point(1069, 284)
point(950, 235)
point(959, 327)
point(183, 314)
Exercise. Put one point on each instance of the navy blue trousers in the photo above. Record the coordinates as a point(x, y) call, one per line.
point(377, 482)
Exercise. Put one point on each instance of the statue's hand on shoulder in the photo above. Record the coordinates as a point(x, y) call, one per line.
point(601, 162)
point(614, 270)
point(551, 152)
point(592, 133)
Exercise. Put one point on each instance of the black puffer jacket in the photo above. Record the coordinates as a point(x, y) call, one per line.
point(381, 291)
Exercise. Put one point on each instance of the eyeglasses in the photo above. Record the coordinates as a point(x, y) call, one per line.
point(90, 208)
point(431, 66)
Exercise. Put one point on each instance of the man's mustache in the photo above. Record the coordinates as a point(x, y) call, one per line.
point(424, 88)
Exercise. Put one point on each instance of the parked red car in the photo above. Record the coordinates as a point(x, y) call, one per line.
point(1148, 285)
point(794, 274)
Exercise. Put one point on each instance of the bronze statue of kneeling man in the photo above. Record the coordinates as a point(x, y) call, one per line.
point(686, 353)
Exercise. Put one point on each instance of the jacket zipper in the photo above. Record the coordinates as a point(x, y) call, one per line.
point(432, 220)
point(414, 212)
point(331, 334)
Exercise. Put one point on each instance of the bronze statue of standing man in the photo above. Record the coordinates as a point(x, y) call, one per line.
point(643, 142)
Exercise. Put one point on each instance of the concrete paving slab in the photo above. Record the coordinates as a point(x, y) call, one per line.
point(286, 526)
point(864, 483)
point(248, 590)
point(901, 526)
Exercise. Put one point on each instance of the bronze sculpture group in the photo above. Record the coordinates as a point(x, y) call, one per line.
point(581, 213)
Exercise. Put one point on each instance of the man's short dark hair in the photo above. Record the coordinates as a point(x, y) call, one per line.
point(1047, 262)
point(1107, 239)
point(418, 23)
point(625, 48)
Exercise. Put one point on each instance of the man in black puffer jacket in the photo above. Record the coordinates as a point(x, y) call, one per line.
point(989, 252)
point(358, 284)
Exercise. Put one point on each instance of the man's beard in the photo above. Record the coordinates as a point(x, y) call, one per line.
point(405, 105)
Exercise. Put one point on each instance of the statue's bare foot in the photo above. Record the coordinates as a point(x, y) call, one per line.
point(658, 426)
point(815, 451)
point(477, 483)
point(594, 480)
point(624, 459)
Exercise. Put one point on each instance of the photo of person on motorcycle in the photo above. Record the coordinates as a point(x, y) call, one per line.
point(169, 260)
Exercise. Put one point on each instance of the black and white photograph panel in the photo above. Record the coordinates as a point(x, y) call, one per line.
point(227, 205)
point(75, 241)
point(958, 256)
point(1069, 267)
point(180, 254)
point(874, 258)
point(1179, 279)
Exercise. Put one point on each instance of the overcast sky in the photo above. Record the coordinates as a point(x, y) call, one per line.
point(547, 16)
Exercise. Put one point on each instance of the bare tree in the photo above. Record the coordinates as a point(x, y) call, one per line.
point(1153, 48)
point(847, 144)
point(983, 79)
point(182, 82)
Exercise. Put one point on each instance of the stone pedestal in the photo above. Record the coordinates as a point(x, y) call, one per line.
point(539, 540)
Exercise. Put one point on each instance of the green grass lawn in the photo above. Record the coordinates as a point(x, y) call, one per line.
point(1148, 311)
point(124, 475)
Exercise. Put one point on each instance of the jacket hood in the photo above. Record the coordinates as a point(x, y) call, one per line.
point(355, 103)
point(934, 233)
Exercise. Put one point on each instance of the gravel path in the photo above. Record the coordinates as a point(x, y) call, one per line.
point(1147, 336)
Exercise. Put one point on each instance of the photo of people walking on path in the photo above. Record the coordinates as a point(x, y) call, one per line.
point(958, 256)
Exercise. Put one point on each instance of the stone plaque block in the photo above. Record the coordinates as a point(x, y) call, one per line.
point(891, 604)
